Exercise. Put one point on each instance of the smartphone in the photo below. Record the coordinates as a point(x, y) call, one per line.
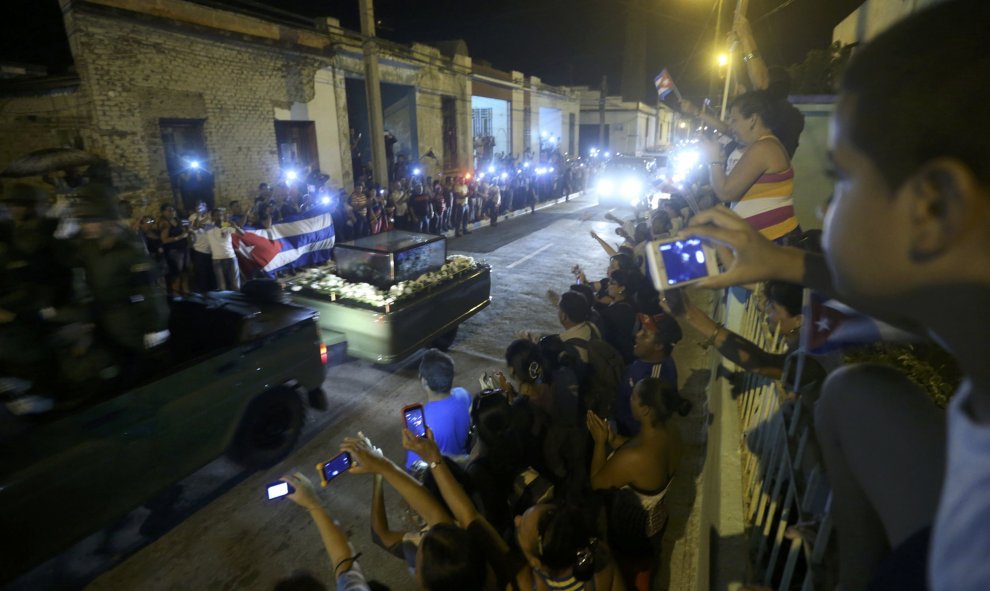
point(675, 263)
point(277, 490)
point(415, 419)
point(333, 468)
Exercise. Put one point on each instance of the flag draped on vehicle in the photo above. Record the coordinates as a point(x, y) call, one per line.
point(297, 241)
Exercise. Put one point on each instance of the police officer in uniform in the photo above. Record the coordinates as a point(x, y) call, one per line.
point(114, 332)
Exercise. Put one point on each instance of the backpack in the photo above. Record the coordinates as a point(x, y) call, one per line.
point(600, 376)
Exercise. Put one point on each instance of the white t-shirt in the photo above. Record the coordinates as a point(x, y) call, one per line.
point(959, 559)
point(220, 244)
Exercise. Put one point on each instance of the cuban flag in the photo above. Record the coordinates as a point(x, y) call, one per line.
point(297, 241)
point(830, 325)
point(664, 84)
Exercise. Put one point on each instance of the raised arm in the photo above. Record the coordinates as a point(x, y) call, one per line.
point(384, 535)
point(731, 346)
point(755, 161)
point(369, 460)
point(338, 547)
point(756, 67)
point(453, 493)
point(609, 250)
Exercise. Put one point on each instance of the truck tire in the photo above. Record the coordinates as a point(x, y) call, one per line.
point(269, 429)
point(444, 341)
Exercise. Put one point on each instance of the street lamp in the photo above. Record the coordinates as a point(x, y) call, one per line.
point(723, 60)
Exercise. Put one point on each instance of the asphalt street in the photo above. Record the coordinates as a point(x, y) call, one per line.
point(217, 530)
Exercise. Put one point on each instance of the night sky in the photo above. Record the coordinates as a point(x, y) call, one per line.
point(561, 41)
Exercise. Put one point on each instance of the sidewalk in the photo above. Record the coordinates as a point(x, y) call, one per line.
point(522, 211)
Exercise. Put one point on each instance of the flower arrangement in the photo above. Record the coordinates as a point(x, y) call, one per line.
point(324, 282)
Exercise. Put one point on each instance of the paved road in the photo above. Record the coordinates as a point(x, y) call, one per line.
point(220, 533)
point(227, 501)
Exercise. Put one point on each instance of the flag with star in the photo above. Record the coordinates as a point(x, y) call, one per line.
point(665, 85)
point(830, 325)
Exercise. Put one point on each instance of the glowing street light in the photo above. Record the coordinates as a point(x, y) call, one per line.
point(723, 60)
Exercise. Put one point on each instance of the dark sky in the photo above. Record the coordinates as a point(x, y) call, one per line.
point(561, 41)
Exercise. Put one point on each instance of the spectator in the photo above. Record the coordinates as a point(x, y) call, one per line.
point(928, 268)
point(447, 410)
point(652, 348)
point(201, 223)
point(420, 209)
point(639, 472)
point(619, 316)
point(235, 213)
point(225, 269)
point(174, 241)
point(347, 572)
point(560, 550)
point(459, 215)
point(761, 185)
point(573, 313)
point(359, 213)
point(448, 557)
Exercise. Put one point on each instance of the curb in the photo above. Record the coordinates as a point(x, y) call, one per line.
point(524, 211)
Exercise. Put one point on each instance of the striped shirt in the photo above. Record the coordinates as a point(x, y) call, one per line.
point(768, 204)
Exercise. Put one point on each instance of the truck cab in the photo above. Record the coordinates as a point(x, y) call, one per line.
point(233, 378)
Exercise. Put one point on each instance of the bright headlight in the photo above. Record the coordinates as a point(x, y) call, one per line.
point(632, 187)
point(606, 187)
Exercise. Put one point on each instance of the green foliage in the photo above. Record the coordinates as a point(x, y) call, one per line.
point(821, 70)
point(927, 365)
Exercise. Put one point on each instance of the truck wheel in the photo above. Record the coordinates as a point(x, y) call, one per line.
point(444, 341)
point(269, 429)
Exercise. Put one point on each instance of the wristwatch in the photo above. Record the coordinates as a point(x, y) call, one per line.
point(436, 464)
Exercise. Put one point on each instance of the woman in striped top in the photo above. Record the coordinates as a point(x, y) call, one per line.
point(760, 186)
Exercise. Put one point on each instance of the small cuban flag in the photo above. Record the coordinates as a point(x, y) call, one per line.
point(665, 84)
point(830, 325)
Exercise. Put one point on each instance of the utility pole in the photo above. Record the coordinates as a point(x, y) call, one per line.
point(601, 113)
point(373, 90)
point(718, 42)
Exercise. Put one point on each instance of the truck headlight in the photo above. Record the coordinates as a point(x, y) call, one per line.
point(606, 187)
point(632, 187)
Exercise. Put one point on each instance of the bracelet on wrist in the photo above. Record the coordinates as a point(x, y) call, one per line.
point(711, 340)
point(752, 55)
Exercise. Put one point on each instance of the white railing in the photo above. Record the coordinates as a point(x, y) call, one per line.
point(785, 495)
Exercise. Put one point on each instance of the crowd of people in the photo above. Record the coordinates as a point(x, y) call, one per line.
point(554, 474)
point(905, 240)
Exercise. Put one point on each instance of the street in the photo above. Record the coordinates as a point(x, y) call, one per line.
point(221, 533)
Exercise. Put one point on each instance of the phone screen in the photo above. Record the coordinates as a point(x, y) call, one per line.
point(279, 489)
point(336, 466)
point(415, 420)
point(683, 260)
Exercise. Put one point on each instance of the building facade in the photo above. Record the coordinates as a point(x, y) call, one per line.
point(174, 92)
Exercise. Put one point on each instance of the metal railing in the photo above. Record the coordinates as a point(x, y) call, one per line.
point(787, 499)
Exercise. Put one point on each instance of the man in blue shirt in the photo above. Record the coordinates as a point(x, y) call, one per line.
point(447, 410)
point(652, 348)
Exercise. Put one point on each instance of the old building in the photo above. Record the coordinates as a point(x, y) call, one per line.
point(177, 94)
point(630, 127)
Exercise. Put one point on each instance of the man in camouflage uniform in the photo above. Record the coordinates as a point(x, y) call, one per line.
point(33, 281)
point(113, 331)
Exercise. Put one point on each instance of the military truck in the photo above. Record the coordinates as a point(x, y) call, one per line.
point(235, 378)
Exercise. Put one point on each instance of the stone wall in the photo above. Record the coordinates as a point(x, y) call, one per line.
point(137, 74)
point(34, 122)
